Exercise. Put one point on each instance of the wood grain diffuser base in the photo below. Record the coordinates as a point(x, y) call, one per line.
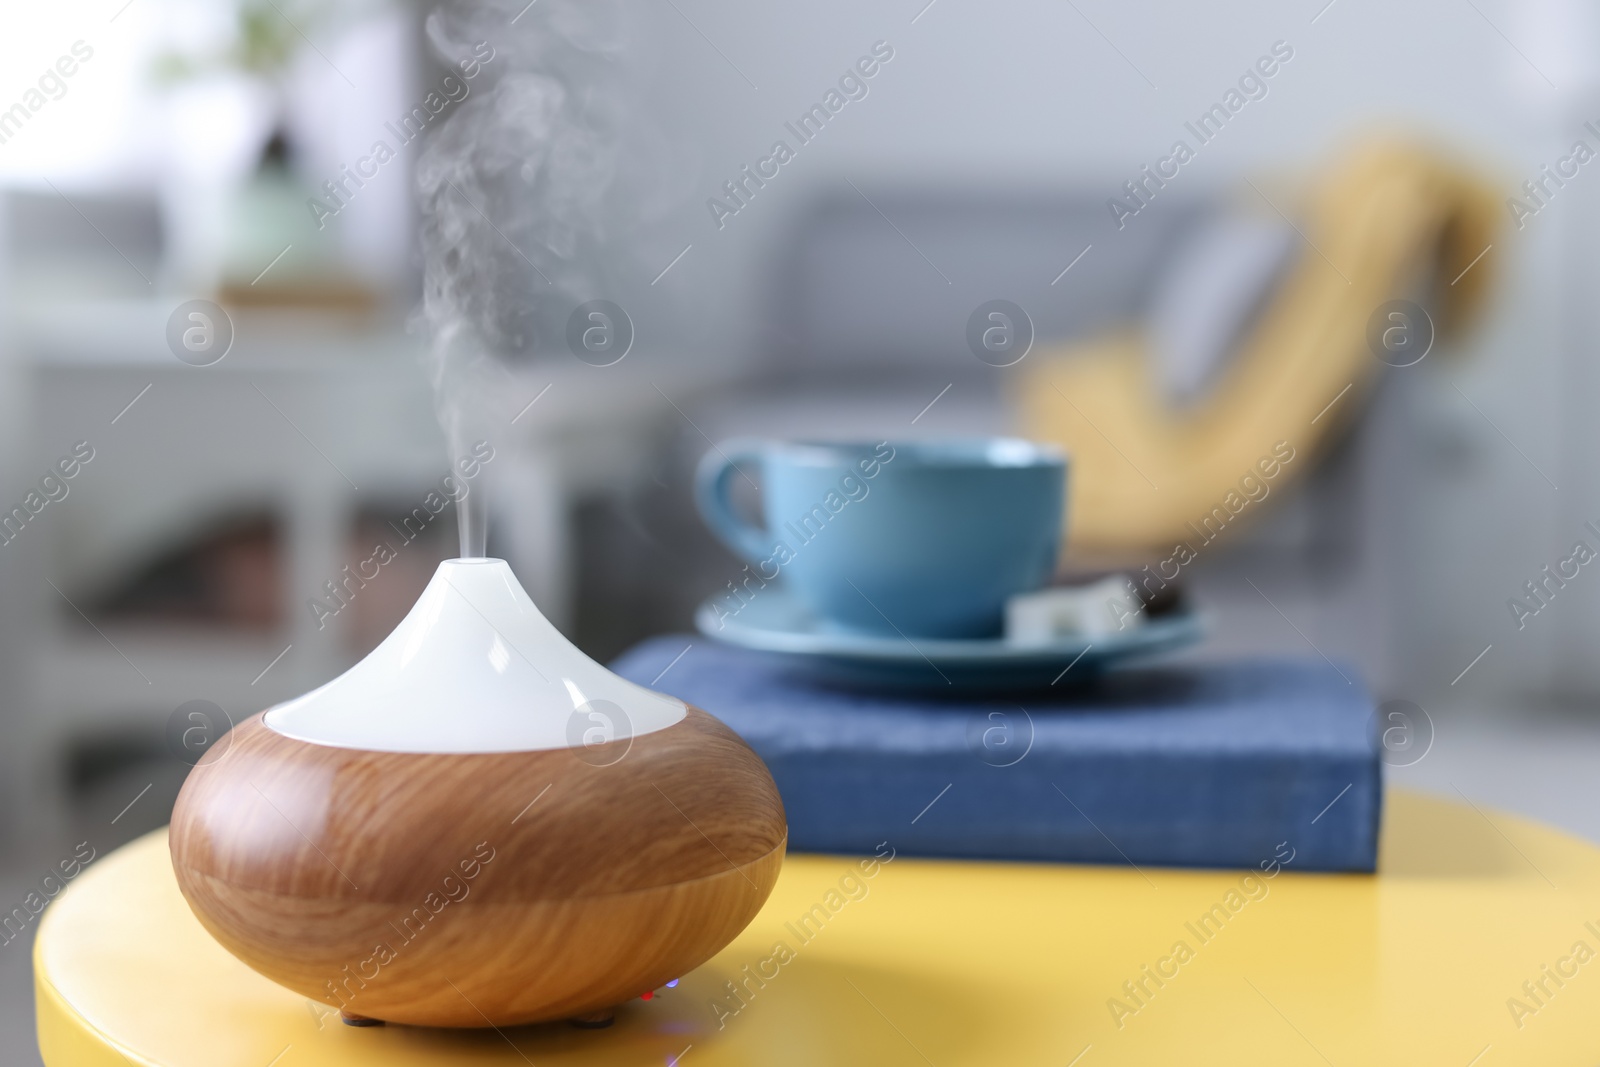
point(477, 825)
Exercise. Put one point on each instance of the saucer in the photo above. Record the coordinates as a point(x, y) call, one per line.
point(775, 621)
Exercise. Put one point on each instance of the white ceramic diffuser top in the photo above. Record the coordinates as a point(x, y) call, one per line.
point(474, 667)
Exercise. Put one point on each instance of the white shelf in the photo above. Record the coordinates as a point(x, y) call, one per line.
point(304, 409)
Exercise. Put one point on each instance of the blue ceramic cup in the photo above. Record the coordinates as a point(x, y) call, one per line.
point(923, 539)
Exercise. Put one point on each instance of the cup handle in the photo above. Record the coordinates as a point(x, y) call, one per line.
point(712, 481)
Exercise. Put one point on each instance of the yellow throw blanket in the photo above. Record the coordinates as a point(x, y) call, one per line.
point(1392, 221)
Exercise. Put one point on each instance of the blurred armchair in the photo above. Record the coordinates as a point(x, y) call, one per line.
point(1388, 226)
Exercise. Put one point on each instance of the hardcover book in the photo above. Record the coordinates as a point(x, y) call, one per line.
point(1210, 765)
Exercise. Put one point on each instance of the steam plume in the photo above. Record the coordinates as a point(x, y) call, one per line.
point(515, 190)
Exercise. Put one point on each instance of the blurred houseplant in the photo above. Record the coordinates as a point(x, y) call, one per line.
point(269, 251)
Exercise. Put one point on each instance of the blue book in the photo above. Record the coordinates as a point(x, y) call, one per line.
point(1206, 765)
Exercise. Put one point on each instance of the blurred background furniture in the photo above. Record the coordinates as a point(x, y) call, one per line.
point(124, 644)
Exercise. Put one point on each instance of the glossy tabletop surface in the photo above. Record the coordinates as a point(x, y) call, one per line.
point(1475, 944)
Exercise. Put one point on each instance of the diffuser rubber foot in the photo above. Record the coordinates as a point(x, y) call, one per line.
point(594, 1020)
point(350, 1019)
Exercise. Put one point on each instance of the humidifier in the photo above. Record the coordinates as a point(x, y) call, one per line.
point(477, 825)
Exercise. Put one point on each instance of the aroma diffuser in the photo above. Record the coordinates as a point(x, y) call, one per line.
point(477, 825)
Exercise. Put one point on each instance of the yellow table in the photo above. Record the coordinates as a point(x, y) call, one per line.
point(954, 963)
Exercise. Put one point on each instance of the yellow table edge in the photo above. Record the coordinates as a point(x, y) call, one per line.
point(68, 1039)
